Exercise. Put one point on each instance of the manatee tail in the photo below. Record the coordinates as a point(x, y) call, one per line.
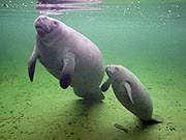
point(152, 121)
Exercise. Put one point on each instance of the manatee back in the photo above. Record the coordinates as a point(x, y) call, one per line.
point(142, 101)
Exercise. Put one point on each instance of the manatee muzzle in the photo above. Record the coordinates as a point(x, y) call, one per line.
point(42, 30)
point(109, 70)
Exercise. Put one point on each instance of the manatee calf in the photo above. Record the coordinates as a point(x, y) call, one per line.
point(69, 56)
point(130, 92)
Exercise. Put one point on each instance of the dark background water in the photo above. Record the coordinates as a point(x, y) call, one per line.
point(147, 37)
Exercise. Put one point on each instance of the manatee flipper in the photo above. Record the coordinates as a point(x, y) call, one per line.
point(65, 80)
point(105, 86)
point(32, 63)
point(67, 70)
point(128, 89)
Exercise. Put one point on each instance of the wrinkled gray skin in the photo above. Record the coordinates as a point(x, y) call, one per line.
point(69, 56)
point(129, 91)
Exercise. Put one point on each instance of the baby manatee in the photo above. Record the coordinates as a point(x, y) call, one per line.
point(69, 56)
point(130, 92)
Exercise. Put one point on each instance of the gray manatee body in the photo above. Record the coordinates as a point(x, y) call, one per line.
point(129, 91)
point(69, 56)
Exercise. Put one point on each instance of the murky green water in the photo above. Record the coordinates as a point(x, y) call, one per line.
point(147, 37)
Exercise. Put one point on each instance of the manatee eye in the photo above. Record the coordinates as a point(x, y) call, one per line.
point(55, 23)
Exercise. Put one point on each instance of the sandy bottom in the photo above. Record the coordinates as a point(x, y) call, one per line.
point(42, 110)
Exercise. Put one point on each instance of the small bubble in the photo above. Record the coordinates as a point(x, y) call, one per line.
point(178, 15)
point(169, 11)
point(177, 6)
point(139, 2)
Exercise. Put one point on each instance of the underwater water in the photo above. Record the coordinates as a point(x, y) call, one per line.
point(147, 37)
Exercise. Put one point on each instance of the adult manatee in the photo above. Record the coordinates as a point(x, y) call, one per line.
point(69, 56)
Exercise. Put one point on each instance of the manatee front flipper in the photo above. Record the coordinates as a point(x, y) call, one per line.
point(68, 70)
point(128, 89)
point(105, 86)
point(32, 63)
point(65, 80)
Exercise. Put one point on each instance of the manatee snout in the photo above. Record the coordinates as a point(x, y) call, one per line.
point(40, 19)
point(45, 25)
point(112, 71)
point(109, 70)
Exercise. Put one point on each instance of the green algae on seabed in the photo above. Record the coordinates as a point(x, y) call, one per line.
point(147, 38)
